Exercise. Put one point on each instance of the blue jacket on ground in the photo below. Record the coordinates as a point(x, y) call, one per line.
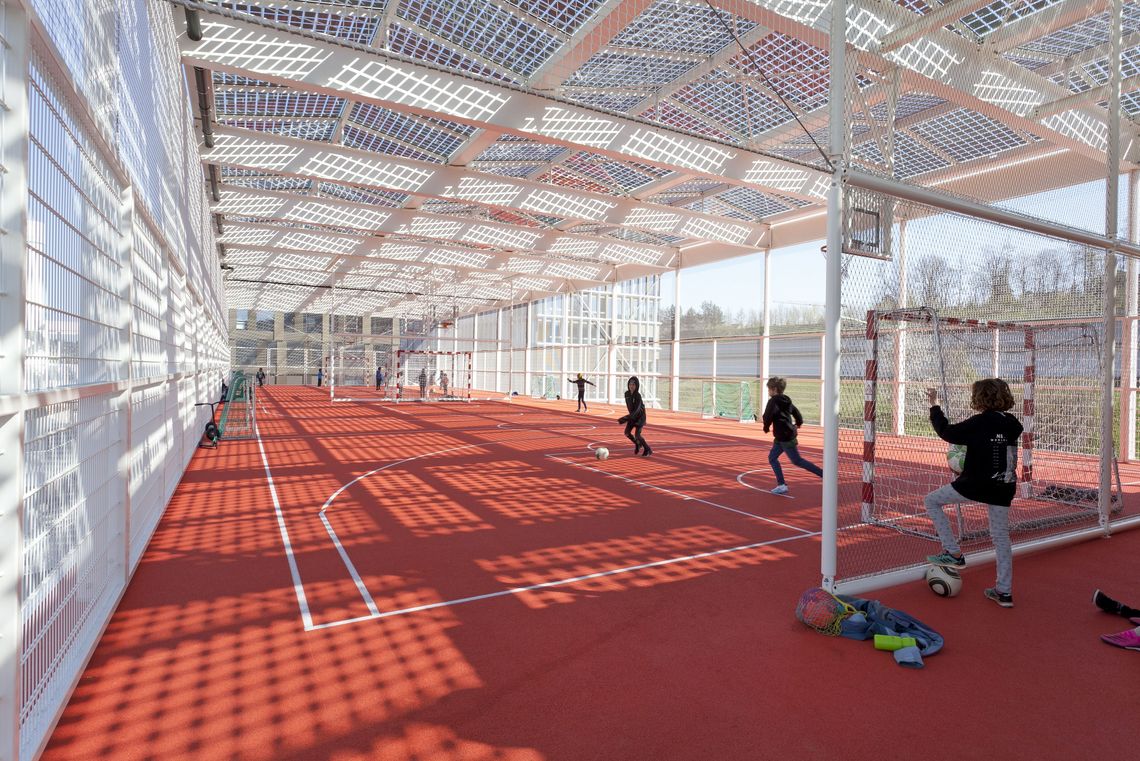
point(879, 619)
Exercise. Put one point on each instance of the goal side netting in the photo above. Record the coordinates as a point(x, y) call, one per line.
point(1054, 371)
point(433, 376)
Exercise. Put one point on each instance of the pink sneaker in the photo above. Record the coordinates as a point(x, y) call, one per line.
point(1128, 639)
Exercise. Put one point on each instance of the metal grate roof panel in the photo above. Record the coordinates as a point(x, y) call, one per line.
point(484, 29)
point(678, 26)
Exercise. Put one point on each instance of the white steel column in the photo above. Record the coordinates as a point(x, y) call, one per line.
point(1112, 188)
point(13, 229)
point(611, 353)
point(126, 293)
point(829, 411)
point(1127, 447)
point(526, 347)
point(474, 346)
point(675, 357)
point(499, 351)
point(565, 366)
point(766, 335)
point(899, 407)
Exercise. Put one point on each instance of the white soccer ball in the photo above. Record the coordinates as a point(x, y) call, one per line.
point(601, 453)
point(944, 582)
point(956, 457)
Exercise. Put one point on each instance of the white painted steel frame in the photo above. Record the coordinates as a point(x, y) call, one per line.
point(23, 33)
point(13, 223)
point(336, 67)
point(838, 153)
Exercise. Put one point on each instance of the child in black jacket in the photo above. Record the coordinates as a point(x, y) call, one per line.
point(635, 420)
point(785, 420)
point(989, 476)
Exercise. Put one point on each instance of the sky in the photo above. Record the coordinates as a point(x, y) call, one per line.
point(798, 271)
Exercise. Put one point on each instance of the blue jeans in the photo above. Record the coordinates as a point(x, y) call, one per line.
point(794, 456)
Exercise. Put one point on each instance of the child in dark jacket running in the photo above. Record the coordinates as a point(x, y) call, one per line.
point(785, 420)
point(635, 420)
point(989, 476)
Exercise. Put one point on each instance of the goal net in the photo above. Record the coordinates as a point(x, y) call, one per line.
point(1053, 369)
point(352, 372)
point(443, 376)
point(544, 387)
point(730, 400)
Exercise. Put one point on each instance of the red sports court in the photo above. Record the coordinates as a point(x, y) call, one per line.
point(319, 321)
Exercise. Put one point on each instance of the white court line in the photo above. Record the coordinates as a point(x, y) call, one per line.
point(682, 495)
point(348, 564)
point(298, 586)
point(742, 482)
point(569, 427)
point(563, 582)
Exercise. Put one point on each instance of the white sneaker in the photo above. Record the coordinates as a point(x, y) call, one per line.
point(781, 489)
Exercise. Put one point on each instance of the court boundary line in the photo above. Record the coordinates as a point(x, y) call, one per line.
point(375, 613)
point(561, 582)
point(294, 570)
point(682, 495)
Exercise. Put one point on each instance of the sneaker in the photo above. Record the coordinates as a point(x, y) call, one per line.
point(1128, 639)
point(781, 489)
point(1106, 603)
point(1001, 598)
point(946, 560)
point(647, 451)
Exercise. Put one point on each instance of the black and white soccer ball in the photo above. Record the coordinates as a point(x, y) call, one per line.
point(944, 582)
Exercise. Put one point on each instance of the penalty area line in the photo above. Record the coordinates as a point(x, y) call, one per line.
point(683, 496)
point(348, 564)
point(560, 582)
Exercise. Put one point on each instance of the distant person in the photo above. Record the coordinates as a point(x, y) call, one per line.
point(989, 476)
point(379, 378)
point(320, 376)
point(423, 381)
point(260, 376)
point(225, 390)
point(581, 382)
point(784, 419)
point(443, 380)
point(635, 420)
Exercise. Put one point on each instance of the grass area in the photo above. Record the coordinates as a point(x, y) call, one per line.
point(1064, 415)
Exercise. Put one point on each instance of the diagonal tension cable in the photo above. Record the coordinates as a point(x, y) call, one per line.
point(720, 14)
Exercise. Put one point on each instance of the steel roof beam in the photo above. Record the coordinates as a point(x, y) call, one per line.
point(952, 68)
point(608, 21)
point(337, 163)
point(923, 25)
point(273, 53)
point(301, 241)
point(1042, 24)
point(246, 202)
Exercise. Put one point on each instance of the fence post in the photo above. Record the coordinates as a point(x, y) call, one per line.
point(1128, 353)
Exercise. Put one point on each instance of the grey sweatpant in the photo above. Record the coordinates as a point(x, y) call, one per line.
point(999, 532)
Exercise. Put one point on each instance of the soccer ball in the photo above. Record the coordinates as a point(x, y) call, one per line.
point(602, 453)
point(956, 457)
point(944, 582)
